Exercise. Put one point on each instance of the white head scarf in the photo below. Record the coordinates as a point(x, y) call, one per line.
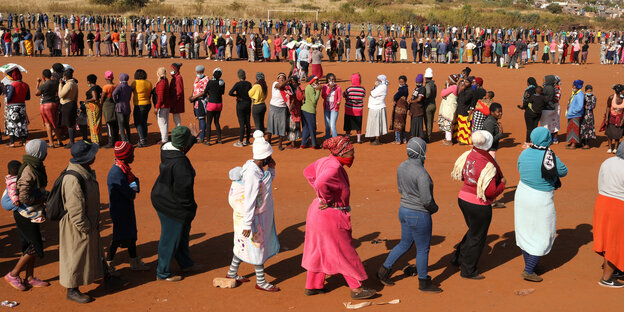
point(482, 140)
point(383, 79)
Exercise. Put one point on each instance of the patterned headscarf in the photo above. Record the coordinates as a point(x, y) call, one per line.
point(338, 145)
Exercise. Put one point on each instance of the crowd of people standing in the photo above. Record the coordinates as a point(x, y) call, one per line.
point(468, 115)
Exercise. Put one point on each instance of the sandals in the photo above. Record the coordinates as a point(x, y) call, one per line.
point(268, 287)
point(238, 278)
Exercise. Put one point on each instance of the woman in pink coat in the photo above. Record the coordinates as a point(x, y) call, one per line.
point(328, 245)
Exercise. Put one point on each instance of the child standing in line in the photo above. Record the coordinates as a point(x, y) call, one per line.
point(10, 199)
point(481, 111)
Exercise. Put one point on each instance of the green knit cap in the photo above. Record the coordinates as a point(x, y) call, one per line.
point(180, 137)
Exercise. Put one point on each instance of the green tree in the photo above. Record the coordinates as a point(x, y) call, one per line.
point(554, 8)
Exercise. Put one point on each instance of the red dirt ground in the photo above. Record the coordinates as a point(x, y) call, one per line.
point(572, 269)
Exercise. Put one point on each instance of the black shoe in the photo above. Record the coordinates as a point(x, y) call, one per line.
point(383, 275)
point(611, 283)
point(617, 274)
point(74, 294)
point(68, 146)
point(312, 292)
point(426, 285)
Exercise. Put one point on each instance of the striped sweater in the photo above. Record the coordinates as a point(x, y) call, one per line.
point(354, 100)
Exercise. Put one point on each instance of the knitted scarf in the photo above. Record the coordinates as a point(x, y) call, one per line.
point(126, 169)
point(38, 170)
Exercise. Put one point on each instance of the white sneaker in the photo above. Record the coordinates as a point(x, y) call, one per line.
point(609, 151)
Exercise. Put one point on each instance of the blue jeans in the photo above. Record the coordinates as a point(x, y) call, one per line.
point(220, 53)
point(174, 243)
point(399, 136)
point(330, 124)
point(415, 228)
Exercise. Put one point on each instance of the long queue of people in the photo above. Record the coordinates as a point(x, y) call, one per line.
point(291, 110)
point(74, 199)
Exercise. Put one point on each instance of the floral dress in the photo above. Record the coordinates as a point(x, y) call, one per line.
point(588, 130)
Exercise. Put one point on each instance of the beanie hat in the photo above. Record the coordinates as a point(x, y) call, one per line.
point(199, 68)
point(428, 73)
point(261, 148)
point(419, 78)
point(123, 150)
point(180, 137)
point(259, 76)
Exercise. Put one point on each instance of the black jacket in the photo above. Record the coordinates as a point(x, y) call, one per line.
point(173, 193)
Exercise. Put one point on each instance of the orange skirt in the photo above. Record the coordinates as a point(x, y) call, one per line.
point(608, 229)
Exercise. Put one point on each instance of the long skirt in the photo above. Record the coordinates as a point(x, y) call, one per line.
point(94, 119)
point(588, 130)
point(550, 119)
point(573, 130)
point(463, 130)
point(276, 121)
point(328, 246)
point(447, 112)
point(123, 46)
point(16, 120)
point(534, 219)
point(608, 229)
point(403, 54)
point(376, 123)
point(399, 116)
point(316, 70)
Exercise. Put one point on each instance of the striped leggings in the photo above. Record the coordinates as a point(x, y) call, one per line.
point(530, 262)
point(233, 272)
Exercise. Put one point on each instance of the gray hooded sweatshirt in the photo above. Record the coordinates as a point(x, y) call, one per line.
point(415, 184)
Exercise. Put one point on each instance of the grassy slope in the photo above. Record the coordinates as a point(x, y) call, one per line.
point(497, 13)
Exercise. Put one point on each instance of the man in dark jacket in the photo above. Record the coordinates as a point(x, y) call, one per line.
point(174, 200)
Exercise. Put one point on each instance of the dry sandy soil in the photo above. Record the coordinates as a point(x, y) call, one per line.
point(571, 270)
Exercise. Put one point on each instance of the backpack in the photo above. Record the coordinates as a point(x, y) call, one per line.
point(54, 206)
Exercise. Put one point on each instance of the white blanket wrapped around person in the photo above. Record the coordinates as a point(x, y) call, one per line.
point(262, 244)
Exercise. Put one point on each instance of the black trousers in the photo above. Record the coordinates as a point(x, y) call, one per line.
point(258, 111)
point(141, 113)
point(243, 112)
point(112, 250)
point(531, 123)
point(113, 132)
point(123, 122)
point(210, 116)
point(478, 218)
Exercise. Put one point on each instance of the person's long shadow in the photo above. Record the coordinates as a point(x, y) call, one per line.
point(291, 267)
point(566, 247)
point(502, 252)
point(508, 195)
point(449, 269)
